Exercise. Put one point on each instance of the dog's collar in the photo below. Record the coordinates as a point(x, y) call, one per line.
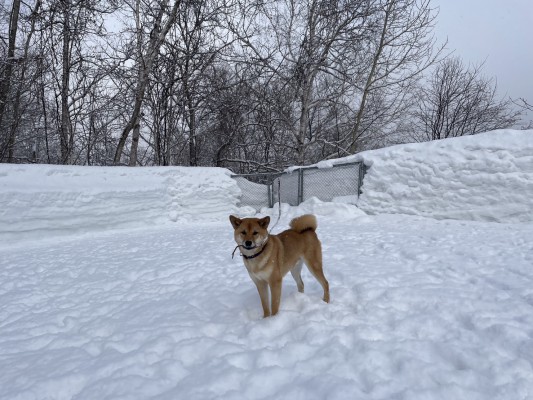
point(263, 245)
point(256, 254)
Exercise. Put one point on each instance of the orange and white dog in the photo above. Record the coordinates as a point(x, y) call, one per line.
point(268, 258)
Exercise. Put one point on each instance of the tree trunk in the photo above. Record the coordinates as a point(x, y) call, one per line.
point(370, 80)
point(135, 143)
point(302, 127)
point(65, 138)
point(16, 102)
point(6, 79)
point(193, 156)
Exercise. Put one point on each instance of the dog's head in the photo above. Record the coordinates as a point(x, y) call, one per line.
point(250, 232)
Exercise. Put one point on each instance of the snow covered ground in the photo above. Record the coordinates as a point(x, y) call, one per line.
point(421, 309)
point(96, 304)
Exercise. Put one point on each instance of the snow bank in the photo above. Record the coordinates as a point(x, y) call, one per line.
point(49, 200)
point(486, 177)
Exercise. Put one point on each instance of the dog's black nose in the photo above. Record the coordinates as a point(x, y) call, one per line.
point(248, 243)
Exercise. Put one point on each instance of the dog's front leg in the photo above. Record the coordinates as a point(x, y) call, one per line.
point(262, 288)
point(275, 294)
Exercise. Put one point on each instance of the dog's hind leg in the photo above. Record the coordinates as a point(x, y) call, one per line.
point(315, 267)
point(296, 273)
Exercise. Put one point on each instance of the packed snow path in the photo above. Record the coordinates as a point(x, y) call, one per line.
point(421, 309)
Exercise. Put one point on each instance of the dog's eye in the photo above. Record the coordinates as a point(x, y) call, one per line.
point(255, 233)
point(243, 233)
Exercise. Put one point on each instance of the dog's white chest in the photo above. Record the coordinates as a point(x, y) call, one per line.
point(261, 271)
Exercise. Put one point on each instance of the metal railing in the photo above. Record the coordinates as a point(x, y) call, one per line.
point(342, 181)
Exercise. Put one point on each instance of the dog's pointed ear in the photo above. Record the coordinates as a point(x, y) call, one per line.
point(263, 222)
point(236, 222)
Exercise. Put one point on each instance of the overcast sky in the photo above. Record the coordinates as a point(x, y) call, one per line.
point(499, 32)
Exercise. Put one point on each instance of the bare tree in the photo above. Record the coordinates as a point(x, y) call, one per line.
point(66, 52)
point(306, 41)
point(160, 24)
point(197, 46)
point(163, 115)
point(22, 83)
point(5, 80)
point(165, 82)
point(458, 100)
point(400, 50)
point(180, 84)
point(13, 83)
point(523, 104)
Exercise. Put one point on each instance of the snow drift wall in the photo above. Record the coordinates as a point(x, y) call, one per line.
point(38, 200)
point(486, 177)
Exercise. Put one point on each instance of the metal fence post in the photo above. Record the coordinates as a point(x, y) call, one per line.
point(362, 171)
point(300, 185)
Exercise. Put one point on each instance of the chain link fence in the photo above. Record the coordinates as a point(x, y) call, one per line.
point(342, 181)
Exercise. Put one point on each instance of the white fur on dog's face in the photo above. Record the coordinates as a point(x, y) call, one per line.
point(250, 230)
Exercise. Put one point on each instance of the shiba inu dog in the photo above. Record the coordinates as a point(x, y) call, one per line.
point(268, 258)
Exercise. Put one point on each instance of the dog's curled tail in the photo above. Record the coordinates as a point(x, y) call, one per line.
point(304, 223)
